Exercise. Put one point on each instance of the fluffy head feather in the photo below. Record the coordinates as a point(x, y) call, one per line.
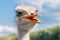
point(28, 9)
point(25, 16)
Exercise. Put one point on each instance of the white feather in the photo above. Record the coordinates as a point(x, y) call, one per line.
point(29, 9)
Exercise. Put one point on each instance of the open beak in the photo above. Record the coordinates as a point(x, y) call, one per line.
point(32, 17)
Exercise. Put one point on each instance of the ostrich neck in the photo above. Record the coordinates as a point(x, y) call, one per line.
point(22, 35)
point(24, 29)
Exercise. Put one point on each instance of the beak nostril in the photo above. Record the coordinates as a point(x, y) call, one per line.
point(32, 14)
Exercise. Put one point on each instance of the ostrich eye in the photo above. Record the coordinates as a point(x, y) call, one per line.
point(20, 12)
point(36, 11)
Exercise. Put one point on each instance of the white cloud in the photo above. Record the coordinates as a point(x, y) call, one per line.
point(54, 1)
point(52, 5)
point(56, 16)
point(53, 9)
point(8, 29)
point(46, 26)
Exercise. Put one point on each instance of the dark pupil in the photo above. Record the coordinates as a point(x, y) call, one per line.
point(19, 14)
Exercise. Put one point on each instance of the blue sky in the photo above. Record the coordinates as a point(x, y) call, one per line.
point(49, 9)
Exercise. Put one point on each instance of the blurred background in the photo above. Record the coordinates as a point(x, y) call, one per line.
point(48, 29)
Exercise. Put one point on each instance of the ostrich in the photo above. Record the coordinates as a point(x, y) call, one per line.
point(26, 20)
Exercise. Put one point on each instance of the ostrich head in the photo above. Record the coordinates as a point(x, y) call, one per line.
point(25, 16)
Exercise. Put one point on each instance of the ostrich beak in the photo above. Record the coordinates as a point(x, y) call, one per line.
point(32, 17)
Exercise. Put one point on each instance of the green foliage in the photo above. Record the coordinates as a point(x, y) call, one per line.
point(49, 34)
point(10, 37)
point(13, 37)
